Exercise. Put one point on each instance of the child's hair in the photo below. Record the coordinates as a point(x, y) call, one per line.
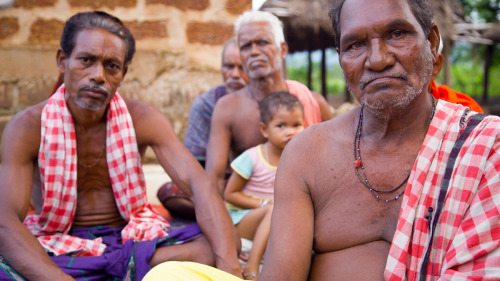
point(272, 102)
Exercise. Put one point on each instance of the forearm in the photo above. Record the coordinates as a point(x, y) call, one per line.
point(217, 227)
point(244, 201)
point(25, 254)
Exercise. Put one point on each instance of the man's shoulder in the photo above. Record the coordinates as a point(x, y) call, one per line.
point(296, 86)
point(140, 110)
point(213, 94)
point(232, 99)
point(31, 115)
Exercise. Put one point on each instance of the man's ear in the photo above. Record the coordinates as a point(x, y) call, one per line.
point(434, 39)
point(61, 60)
point(284, 49)
point(437, 67)
point(263, 130)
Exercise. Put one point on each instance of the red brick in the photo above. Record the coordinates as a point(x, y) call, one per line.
point(6, 95)
point(28, 4)
point(210, 33)
point(46, 31)
point(95, 4)
point(147, 29)
point(8, 26)
point(237, 7)
point(198, 5)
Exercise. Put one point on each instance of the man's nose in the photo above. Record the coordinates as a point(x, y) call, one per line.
point(379, 57)
point(255, 49)
point(97, 73)
point(236, 72)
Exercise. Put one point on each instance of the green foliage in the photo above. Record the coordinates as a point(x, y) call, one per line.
point(297, 70)
point(334, 78)
point(482, 10)
point(467, 70)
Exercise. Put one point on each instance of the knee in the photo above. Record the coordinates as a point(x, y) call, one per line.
point(204, 254)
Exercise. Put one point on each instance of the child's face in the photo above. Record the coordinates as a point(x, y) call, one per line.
point(284, 126)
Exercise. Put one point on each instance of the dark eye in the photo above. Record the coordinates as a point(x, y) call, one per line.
point(84, 59)
point(261, 43)
point(114, 66)
point(356, 45)
point(280, 125)
point(398, 34)
point(244, 47)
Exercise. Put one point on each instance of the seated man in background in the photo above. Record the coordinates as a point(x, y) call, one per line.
point(81, 151)
point(200, 114)
point(173, 199)
point(236, 118)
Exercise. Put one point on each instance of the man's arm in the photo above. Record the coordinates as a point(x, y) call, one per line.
point(21, 139)
point(292, 220)
point(187, 173)
point(324, 107)
point(219, 145)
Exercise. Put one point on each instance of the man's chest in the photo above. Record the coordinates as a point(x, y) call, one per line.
point(347, 213)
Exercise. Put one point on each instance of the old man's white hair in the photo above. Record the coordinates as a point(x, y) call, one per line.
point(260, 16)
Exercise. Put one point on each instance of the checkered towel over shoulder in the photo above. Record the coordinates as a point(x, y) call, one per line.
point(466, 244)
point(57, 161)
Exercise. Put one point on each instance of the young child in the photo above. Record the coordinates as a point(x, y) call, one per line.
point(250, 188)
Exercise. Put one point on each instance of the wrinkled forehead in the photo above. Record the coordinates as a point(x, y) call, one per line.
point(359, 14)
point(255, 31)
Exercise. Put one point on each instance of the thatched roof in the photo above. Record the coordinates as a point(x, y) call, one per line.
point(308, 27)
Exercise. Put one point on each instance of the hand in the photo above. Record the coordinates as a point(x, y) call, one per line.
point(233, 268)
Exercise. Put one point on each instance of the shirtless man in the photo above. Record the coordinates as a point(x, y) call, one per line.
point(331, 205)
point(402, 187)
point(84, 146)
point(235, 121)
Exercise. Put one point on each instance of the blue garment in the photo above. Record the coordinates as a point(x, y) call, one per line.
point(200, 116)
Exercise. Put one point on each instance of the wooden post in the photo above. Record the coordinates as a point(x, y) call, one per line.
point(309, 69)
point(323, 72)
point(487, 65)
point(447, 66)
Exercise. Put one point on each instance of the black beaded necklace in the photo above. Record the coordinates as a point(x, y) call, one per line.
point(358, 163)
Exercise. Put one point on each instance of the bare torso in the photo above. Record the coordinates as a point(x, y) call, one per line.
point(352, 229)
point(95, 199)
point(245, 132)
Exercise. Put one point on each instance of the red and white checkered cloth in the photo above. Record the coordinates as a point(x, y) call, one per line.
point(466, 244)
point(57, 161)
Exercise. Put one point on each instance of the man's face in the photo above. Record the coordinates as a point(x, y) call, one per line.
point(233, 74)
point(259, 53)
point(95, 68)
point(384, 53)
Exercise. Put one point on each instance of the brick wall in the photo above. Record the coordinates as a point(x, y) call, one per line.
point(178, 49)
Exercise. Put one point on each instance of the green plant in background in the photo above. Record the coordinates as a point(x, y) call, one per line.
point(297, 70)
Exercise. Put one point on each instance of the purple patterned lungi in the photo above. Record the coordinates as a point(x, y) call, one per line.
point(127, 261)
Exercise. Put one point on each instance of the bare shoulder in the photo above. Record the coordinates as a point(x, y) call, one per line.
point(316, 136)
point(232, 101)
point(320, 145)
point(140, 110)
point(25, 126)
point(150, 124)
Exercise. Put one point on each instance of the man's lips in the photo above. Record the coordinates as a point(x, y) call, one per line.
point(379, 80)
point(94, 92)
point(256, 63)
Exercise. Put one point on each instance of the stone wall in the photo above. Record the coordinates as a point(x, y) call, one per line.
point(178, 50)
